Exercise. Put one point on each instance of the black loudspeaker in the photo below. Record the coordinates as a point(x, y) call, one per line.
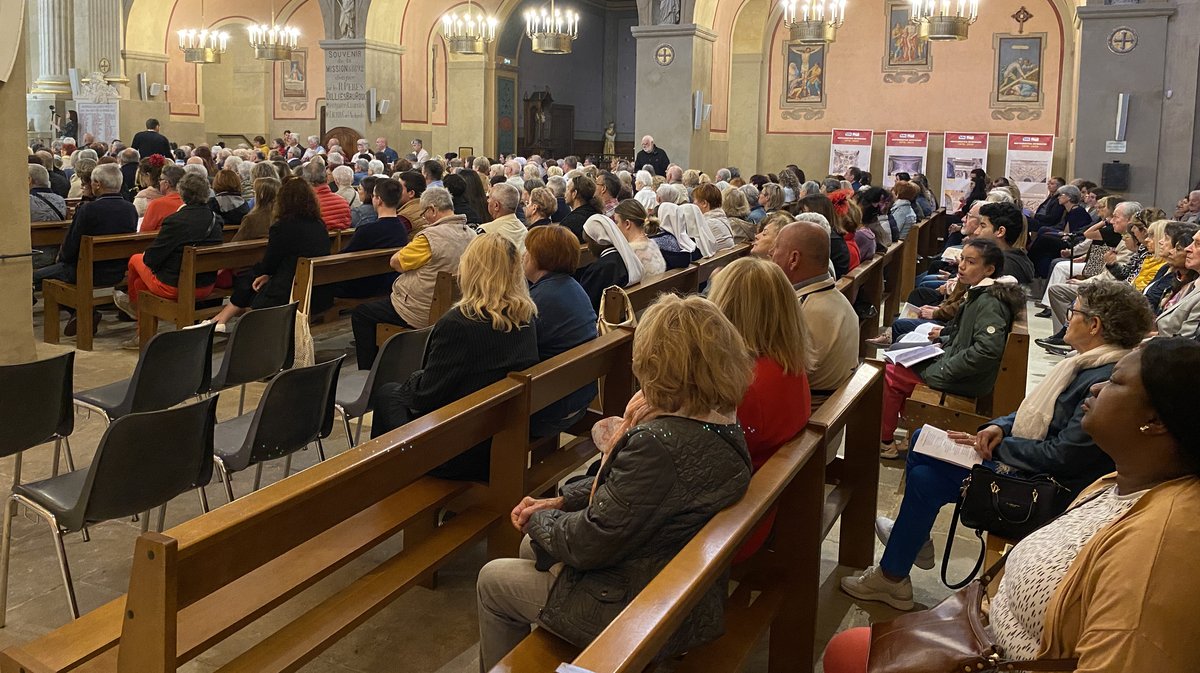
point(1115, 176)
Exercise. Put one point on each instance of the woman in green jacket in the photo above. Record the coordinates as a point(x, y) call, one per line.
point(972, 342)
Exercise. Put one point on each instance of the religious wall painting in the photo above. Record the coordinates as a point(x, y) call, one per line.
point(1017, 86)
point(906, 56)
point(293, 75)
point(804, 81)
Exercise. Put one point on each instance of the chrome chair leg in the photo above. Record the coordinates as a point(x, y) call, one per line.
point(242, 400)
point(346, 424)
point(320, 450)
point(225, 478)
point(257, 476)
point(60, 549)
point(358, 431)
point(203, 499)
point(67, 454)
point(10, 510)
point(287, 465)
point(57, 456)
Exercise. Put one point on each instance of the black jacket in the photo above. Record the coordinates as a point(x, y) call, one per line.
point(109, 214)
point(190, 225)
point(839, 254)
point(288, 240)
point(59, 183)
point(656, 158)
point(129, 185)
point(576, 219)
point(562, 212)
point(1049, 213)
point(608, 269)
point(463, 207)
point(381, 234)
point(151, 142)
point(662, 482)
point(1018, 265)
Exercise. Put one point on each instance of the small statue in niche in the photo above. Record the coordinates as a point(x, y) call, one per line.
point(542, 122)
point(346, 18)
point(610, 139)
point(668, 11)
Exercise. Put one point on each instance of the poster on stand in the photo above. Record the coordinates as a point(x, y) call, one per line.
point(1029, 163)
point(964, 152)
point(850, 147)
point(904, 152)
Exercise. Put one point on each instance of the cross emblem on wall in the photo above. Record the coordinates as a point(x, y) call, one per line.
point(1122, 40)
point(664, 55)
point(1021, 16)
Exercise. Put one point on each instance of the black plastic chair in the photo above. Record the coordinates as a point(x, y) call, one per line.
point(401, 355)
point(174, 367)
point(262, 345)
point(143, 461)
point(295, 410)
point(35, 407)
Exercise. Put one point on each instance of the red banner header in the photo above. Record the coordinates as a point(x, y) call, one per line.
point(852, 137)
point(966, 141)
point(907, 139)
point(1030, 142)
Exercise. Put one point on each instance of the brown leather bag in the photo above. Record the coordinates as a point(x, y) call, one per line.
point(950, 637)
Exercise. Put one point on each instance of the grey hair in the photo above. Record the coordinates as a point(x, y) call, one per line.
point(506, 196)
point(109, 176)
point(1129, 209)
point(39, 176)
point(130, 156)
point(314, 173)
point(314, 138)
point(245, 170)
point(193, 189)
point(751, 193)
point(264, 169)
point(723, 175)
point(816, 218)
point(336, 159)
point(645, 178)
point(666, 193)
point(375, 167)
point(1071, 192)
point(87, 154)
point(999, 196)
point(808, 189)
point(362, 165)
point(439, 199)
point(231, 163)
point(733, 202)
point(196, 169)
point(343, 176)
point(557, 185)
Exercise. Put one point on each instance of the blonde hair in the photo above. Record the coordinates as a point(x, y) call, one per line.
point(691, 177)
point(493, 284)
point(689, 358)
point(757, 298)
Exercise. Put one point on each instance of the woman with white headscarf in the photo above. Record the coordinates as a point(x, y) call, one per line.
point(645, 193)
point(616, 263)
point(678, 249)
point(699, 229)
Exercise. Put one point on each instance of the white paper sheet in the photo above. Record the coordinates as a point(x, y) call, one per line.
point(936, 443)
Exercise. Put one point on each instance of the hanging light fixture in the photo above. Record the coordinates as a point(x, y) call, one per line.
point(273, 42)
point(470, 32)
point(551, 32)
point(814, 22)
point(943, 20)
point(202, 45)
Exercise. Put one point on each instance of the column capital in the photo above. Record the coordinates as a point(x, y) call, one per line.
point(671, 30)
point(1148, 11)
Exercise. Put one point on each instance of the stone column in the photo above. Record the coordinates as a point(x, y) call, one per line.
point(1123, 49)
point(672, 63)
point(16, 330)
point(56, 46)
point(345, 84)
point(104, 36)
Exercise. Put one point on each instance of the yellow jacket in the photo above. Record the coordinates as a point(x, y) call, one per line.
point(1150, 266)
point(1128, 602)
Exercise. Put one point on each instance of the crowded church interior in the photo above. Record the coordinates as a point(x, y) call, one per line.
point(599, 336)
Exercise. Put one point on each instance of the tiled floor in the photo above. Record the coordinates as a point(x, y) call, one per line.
point(428, 631)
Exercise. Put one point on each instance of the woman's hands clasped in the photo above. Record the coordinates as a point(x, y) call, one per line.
point(525, 509)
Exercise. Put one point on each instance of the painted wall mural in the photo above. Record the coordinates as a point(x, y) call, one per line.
point(906, 56)
point(804, 81)
point(1017, 92)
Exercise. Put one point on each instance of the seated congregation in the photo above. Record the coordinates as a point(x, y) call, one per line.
point(743, 308)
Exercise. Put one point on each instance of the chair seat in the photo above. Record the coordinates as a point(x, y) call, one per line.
point(107, 397)
point(228, 438)
point(350, 389)
point(58, 495)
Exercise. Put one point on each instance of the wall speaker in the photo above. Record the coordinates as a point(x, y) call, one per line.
point(1115, 176)
point(698, 110)
point(371, 104)
point(384, 105)
point(1122, 115)
point(156, 89)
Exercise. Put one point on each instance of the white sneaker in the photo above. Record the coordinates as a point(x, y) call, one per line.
point(890, 451)
point(221, 328)
point(122, 301)
point(871, 585)
point(883, 531)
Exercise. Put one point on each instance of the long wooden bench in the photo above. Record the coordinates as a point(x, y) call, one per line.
point(777, 588)
point(201, 582)
point(864, 285)
point(932, 239)
point(48, 234)
point(641, 295)
point(707, 266)
point(337, 268)
point(445, 291)
point(81, 295)
point(182, 311)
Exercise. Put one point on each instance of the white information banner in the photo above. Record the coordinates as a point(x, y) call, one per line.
point(102, 120)
point(850, 147)
point(904, 152)
point(964, 152)
point(1029, 164)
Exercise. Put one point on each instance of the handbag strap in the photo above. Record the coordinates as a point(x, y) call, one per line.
point(978, 562)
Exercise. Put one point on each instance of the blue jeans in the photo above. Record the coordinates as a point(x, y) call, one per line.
point(930, 485)
point(902, 326)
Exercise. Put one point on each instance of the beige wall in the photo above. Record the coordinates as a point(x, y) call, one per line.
point(16, 329)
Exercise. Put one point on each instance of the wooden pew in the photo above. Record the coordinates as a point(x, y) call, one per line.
point(865, 282)
point(641, 295)
point(932, 239)
point(48, 234)
point(705, 267)
point(201, 582)
point(445, 292)
point(955, 412)
point(81, 295)
point(893, 267)
point(909, 258)
point(196, 260)
point(785, 577)
point(336, 268)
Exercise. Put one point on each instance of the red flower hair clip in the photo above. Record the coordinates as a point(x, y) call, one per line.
point(841, 202)
point(156, 160)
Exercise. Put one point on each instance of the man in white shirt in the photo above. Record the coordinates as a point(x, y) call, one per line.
point(419, 150)
point(314, 148)
point(502, 206)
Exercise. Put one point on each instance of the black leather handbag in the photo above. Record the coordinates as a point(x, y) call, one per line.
point(1007, 505)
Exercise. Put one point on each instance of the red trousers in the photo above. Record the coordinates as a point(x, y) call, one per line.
point(899, 384)
point(142, 279)
point(847, 652)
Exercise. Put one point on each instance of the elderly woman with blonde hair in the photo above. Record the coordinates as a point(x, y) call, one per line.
point(676, 459)
point(737, 208)
point(493, 318)
point(343, 177)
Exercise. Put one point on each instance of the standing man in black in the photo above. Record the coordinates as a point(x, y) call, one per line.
point(151, 141)
point(653, 155)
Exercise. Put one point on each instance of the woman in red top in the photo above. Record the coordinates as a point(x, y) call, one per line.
point(758, 299)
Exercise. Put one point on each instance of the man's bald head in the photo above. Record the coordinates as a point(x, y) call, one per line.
point(802, 251)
